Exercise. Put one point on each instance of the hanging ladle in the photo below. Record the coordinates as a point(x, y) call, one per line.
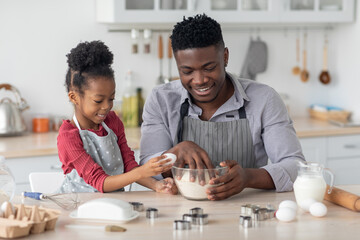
point(324, 75)
point(304, 75)
point(296, 70)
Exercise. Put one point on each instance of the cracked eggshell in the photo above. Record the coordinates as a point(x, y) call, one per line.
point(170, 156)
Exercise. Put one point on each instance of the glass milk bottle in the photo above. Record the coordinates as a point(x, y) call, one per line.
point(7, 182)
point(310, 182)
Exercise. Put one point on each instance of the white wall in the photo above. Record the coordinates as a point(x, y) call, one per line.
point(36, 35)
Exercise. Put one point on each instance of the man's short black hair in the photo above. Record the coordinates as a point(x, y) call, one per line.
point(196, 32)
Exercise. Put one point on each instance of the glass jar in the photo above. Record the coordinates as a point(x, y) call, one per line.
point(310, 182)
point(7, 182)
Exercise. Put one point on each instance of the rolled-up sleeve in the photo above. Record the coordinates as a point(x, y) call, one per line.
point(281, 143)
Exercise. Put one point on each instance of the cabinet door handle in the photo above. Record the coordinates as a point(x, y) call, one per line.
point(55, 167)
point(351, 146)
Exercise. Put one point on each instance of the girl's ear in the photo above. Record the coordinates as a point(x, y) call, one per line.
point(73, 97)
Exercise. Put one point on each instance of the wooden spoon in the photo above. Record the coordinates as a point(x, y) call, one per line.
point(324, 75)
point(296, 70)
point(304, 75)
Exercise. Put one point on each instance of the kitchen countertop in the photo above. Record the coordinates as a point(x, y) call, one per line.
point(309, 127)
point(40, 144)
point(339, 223)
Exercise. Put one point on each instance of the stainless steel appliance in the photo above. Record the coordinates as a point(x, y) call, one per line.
point(11, 119)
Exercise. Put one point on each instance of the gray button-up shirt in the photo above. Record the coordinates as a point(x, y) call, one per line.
point(273, 134)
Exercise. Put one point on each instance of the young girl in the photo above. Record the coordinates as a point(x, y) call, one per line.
point(92, 146)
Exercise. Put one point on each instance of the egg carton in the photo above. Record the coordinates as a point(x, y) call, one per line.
point(20, 220)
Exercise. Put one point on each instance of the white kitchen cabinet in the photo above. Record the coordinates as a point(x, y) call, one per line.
point(22, 167)
point(341, 154)
point(165, 13)
point(317, 11)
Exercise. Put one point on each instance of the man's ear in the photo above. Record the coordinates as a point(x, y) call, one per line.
point(73, 97)
point(226, 56)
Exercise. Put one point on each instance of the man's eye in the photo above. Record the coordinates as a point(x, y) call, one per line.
point(186, 72)
point(209, 69)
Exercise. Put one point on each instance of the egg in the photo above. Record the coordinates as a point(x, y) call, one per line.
point(4, 206)
point(170, 156)
point(289, 204)
point(305, 204)
point(318, 209)
point(285, 214)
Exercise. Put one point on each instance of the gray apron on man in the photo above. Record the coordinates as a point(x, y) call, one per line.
point(104, 150)
point(222, 141)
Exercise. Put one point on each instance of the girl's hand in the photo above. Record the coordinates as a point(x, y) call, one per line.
point(155, 166)
point(166, 185)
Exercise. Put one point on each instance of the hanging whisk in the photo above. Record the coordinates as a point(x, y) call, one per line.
point(67, 201)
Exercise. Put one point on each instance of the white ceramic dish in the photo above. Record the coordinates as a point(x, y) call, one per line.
point(108, 209)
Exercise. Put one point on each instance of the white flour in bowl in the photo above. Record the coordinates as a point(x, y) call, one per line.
point(193, 190)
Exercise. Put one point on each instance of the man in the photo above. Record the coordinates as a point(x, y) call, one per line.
point(210, 117)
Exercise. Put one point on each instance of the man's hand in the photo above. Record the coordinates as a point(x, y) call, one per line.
point(233, 182)
point(190, 153)
point(237, 179)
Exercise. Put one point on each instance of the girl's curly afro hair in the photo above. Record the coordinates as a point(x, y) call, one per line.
point(88, 60)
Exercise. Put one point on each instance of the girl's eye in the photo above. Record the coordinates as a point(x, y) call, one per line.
point(97, 101)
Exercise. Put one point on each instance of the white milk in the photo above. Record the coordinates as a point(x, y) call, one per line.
point(306, 187)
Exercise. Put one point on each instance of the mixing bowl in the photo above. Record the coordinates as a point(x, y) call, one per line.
point(195, 190)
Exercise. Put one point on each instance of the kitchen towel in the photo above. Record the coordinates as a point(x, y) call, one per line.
point(256, 59)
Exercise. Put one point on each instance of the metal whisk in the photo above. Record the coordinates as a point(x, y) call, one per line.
point(67, 201)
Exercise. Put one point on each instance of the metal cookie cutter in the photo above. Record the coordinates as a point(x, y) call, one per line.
point(189, 217)
point(260, 214)
point(201, 219)
point(249, 209)
point(196, 210)
point(137, 206)
point(182, 225)
point(245, 221)
point(151, 213)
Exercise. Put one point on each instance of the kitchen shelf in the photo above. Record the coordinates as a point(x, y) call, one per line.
point(163, 14)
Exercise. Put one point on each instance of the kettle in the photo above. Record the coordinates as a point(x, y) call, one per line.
point(11, 120)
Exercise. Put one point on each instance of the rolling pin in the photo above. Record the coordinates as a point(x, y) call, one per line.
point(343, 198)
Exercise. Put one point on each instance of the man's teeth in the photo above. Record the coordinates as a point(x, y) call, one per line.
point(203, 89)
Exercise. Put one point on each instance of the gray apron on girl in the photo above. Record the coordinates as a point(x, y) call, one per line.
point(104, 150)
point(221, 140)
